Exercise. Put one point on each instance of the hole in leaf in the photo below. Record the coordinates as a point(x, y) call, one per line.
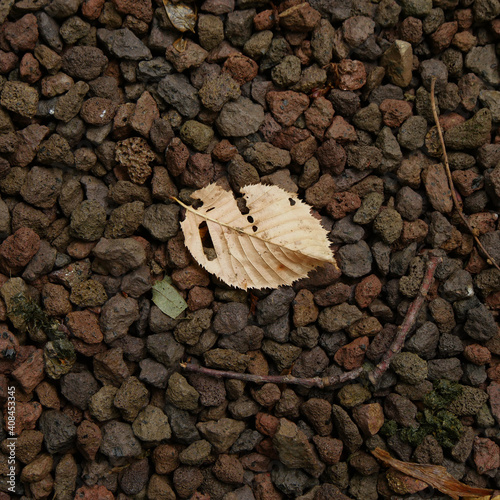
point(250, 219)
point(206, 241)
point(242, 206)
point(210, 209)
point(291, 201)
point(254, 228)
point(197, 204)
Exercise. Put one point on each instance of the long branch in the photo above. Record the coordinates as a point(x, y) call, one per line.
point(409, 321)
point(276, 379)
point(456, 203)
point(322, 382)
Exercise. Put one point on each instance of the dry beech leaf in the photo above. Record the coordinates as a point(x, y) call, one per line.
point(276, 243)
point(434, 475)
point(182, 16)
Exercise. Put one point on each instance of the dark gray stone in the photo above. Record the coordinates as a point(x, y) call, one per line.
point(59, 431)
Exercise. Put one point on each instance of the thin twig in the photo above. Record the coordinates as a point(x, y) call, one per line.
point(320, 382)
point(409, 321)
point(456, 203)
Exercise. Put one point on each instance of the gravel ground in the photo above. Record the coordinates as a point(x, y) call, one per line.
point(105, 115)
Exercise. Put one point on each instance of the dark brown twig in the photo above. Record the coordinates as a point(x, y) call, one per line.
point(276, 379)
point(456, 203)
point(409, 321)
point(322, 382)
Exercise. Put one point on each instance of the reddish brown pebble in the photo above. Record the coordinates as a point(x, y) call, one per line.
point(413, 231)
point(47, 395)
point(351, 356)
point(341, 131)
point(98, 111)
point(255, 462)
point(241, 68)
point(267, 395)
point(84, 325)
point(493, 299)
point(56, 299)
point(264, 488)
point(264, 20)
point(228, 469)
point(18, 249)
point(88, 437)
point(23, 34)
point(442, 37)
point(464, 18)
point(224, 151)
point(477, 354)
point(166, 458)
point(27, 415)
point(394, 112)
point(287, 106)
point(93, 493)
point(31, 372)
point(266, 448)
point(369, 417)
point(266, 424)
point(319, 116)
point(9, 345)
point(367, 290)
point(483, 222)
point(329, 449)
point(402, 484)
point(199, 298)
point(145, 113)
point(141, 9)
point(287, 138)
point(410, 30)
point(476, 264)
point(8, 61)
point(436, 186)
point(301, 17)
point(190, 276)
point(92, 9)
point(80, 249)
point(176, 157)
point(486, 455)
point(343, 203)
point(29, 69)
point(450, 120)
point(350, 75)
point(467, 181)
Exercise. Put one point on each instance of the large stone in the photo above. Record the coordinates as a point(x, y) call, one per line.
point(398, 62)
point(471, 134)
point(294, 449)
point(230, 122)
point(120, 256)
point(484, 62)
point(124, 44)
point(221, 433)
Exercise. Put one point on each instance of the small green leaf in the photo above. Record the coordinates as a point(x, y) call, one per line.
point(167, 298)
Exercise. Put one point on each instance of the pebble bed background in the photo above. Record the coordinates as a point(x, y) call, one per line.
point(102, 119)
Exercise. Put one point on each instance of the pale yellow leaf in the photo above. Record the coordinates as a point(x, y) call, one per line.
point(276, 243)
